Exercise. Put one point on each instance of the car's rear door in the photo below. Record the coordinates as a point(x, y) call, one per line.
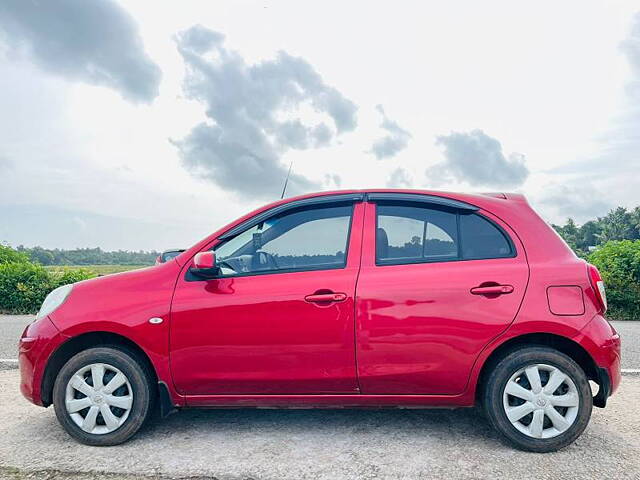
point(437, 283)
point(280, 319)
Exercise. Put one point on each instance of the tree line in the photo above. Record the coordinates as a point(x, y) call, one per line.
point(619, 224)
point(87, 256)
point(611, 243)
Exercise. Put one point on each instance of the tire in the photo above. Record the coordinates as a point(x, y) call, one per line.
point(130, 403)
point(552, 420)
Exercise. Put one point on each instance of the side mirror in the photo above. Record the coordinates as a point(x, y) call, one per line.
point(204, 265)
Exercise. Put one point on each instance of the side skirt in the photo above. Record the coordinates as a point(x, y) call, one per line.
point(329, 401)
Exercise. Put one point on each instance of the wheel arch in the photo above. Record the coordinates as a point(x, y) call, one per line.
point(563, 344)
point(82, 342)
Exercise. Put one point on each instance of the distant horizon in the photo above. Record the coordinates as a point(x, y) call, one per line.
point(26, 247)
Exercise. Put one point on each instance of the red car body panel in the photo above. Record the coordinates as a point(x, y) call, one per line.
point(410, 339)
point(271, 341)
point(405, 335)
point(37, 343)
point(141, 294)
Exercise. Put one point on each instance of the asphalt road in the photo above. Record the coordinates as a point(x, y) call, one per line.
point(316, 444)
point(630, 335)
point(11, 327)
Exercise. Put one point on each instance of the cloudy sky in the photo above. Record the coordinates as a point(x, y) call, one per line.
point(147, 125)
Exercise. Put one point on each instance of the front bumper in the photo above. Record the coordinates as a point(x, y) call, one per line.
point(37, 343)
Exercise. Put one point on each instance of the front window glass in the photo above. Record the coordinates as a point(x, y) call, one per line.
point(307, 239)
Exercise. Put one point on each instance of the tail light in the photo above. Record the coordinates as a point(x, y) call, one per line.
point(598, 286)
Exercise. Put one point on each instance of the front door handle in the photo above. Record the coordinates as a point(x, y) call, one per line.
point(492, 290)
point(326, 297)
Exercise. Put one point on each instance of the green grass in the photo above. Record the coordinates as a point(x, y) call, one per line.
point(97, 269)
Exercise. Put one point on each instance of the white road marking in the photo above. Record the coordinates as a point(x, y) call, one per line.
point(630, 370)
point(8, 360)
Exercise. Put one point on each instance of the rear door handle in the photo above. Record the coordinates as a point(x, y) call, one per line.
point(326, 297)
point(492, 290)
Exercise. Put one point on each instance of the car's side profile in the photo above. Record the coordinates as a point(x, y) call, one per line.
point(383, 298)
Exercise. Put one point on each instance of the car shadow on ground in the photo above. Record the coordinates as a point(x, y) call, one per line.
point(468, 423)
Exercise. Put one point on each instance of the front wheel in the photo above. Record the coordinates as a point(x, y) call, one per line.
point(102, 396)
point(539, 399)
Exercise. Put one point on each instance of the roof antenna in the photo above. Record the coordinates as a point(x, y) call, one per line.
point(286, 180)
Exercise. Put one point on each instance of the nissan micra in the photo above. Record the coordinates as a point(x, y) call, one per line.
point(378, 298)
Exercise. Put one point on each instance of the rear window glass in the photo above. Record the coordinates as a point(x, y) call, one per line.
point(410, 233)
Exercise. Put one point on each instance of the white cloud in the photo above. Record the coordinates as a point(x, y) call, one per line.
point(477, 159)
point(239, 148)
point(400, 178)
point(396, 139)
point(579, 200)
point(95, 41)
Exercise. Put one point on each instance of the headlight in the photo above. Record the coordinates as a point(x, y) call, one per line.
point(54, 300)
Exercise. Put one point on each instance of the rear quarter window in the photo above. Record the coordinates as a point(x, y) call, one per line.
point(482, 239)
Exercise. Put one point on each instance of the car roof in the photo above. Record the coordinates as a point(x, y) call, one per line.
point(468, 197)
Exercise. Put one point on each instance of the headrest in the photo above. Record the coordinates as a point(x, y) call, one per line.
point(382, 243)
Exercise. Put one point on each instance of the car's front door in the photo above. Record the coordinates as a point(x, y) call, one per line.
point(280, 319)
point(437, 283)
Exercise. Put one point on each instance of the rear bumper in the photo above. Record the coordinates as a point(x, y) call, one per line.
point(603, 343)
point(37, 343)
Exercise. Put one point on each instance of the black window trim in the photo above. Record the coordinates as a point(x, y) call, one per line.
point(316, 268)
point(422, 198)
point(329, 203)
point(305, 202)
point(394, 198)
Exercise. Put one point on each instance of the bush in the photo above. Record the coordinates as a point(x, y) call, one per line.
point(619, 265)
point(9, 255)
point(23, 286)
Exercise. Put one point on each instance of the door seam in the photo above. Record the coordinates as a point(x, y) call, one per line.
point(355, 298)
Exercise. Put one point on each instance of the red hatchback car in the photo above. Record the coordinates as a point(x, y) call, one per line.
point(379, 298)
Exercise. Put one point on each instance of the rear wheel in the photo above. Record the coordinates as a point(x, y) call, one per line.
point(102, 396)
point(539, 399)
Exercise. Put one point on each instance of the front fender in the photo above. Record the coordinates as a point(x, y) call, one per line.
point(122, 304)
